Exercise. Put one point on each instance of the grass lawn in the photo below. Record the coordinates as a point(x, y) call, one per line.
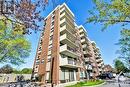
point(88, 83)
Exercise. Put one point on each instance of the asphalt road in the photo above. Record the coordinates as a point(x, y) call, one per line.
point(114, 83)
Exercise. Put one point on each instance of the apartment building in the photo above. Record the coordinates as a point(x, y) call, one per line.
point(98, 58)
point(62, 55)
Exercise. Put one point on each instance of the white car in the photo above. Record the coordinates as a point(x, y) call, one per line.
point(122, 78)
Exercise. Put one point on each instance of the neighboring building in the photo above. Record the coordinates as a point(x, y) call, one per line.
point(7, 78)
point(108, 68)
point(64, 52)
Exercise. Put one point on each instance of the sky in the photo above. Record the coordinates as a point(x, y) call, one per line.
point(105, 40)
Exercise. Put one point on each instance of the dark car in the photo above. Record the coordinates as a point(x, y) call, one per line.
point(105, 76)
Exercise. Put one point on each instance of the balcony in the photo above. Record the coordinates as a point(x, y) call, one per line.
point(83, 40)
point(69, 63)
point(87, 53)
point(67, 10)
point(70, 24)
point(82, 35)
point(100, 70)
point(86, 59)
point(89, 67)
point(99, 60)
point(81, 30)
point(64, 49)
point(65, 29)
point(67, 15)
point(86, 46)
point(99, 65)
point(97, 55)
point(68, 39)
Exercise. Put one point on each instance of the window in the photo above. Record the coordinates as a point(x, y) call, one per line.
point(40, 48)
point(52, 23)
point(49, 59)
point(41, 42)
point(62, 74)
point(37, 62)
point(52, 29)
point(44, 23)
point(70, 61)
point(53, 17)
point(50, 48)
point(39, 53)
point(51, 37)
point(71, 75)
point(42, 34)
point(42, 61)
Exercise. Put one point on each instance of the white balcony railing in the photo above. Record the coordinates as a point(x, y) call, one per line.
point(64, 49)
point(82, 35)
point(83, 40)
point(64, 29)
point(66, 62)
point(67, 39)
point(84, 46)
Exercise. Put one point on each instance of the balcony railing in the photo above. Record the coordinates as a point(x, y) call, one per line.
point(71, 61)
point(68, 62)
point(72, 52)
point(68, 39)
point(87, 53)
point(65, 9)
point(70, 24)
point(71, 49)
point(68, 30)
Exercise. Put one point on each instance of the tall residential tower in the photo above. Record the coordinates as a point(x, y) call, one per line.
point(62, 55)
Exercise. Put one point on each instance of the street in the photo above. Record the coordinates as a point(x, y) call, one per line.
point(113, 83)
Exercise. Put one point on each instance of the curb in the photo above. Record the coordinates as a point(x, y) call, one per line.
point(96, 85)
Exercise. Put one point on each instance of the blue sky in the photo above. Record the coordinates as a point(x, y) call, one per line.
point(105, 40)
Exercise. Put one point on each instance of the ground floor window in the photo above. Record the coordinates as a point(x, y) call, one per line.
point(67, 75)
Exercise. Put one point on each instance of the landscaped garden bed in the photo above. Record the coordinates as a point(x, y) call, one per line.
point(87, 83)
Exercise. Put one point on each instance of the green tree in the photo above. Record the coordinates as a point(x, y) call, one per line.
point(110, 12)
point(6, 69)
point(119, 66)
point(23, 71)
point(15, 71)
point(14, 47)
point(124, 43)
point(26, 13)
point(26, 71)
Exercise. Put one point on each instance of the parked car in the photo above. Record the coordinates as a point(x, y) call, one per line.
point(106, 76)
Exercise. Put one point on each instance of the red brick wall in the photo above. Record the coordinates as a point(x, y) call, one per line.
point(56, 48)
point(45, 45)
